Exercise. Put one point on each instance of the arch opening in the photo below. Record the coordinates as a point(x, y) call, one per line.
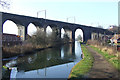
point(31, 29)
point(53, 34)
point(49, 30)
point(66, 32)
point(10, 33)
point(66, 35)
point(53, 30)
point(79, 35)
point(62, 33)
point(10, 27)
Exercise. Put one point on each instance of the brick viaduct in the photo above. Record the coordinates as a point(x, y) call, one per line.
point(22, 23)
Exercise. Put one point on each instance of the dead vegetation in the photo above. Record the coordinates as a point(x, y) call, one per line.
point(104, 47)
point(38, 41)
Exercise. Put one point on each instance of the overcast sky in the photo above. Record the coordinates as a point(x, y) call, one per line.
point(86, 12)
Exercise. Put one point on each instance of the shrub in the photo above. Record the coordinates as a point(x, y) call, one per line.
point(103, 47)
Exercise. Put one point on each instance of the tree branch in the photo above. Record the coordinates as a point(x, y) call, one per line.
point(4, 4)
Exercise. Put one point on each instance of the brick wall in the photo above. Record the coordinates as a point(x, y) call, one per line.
point(10, 39)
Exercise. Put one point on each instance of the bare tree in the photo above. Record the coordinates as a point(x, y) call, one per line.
point(65, 38)
point(99, 26)
point(114, 29)
point(79, 38)
point(4, 4)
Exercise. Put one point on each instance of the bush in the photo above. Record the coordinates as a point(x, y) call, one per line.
point(39, 38)
point(65, 39)
point(103, 47)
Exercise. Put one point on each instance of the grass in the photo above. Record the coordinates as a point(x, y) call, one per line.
point(84, 66)
point(110, 57)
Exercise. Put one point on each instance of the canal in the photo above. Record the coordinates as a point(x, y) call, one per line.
point(49, 63)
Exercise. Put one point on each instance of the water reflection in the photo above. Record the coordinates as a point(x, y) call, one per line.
point(60, 71)
point(62, 53)
point(50, 63)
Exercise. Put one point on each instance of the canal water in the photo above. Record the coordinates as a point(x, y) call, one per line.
point(49, 63)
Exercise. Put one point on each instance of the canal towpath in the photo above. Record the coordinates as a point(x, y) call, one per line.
point(101, 67)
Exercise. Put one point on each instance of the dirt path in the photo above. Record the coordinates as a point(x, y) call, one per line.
point(101, 68)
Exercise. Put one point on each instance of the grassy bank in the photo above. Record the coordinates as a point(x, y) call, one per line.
point(81, 68)
point(113, 59)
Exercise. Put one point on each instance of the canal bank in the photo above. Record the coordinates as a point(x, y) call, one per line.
point(26, 49)
point(84, 66)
